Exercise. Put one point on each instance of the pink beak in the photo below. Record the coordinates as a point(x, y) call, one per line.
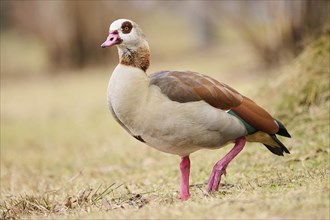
point(112, 39)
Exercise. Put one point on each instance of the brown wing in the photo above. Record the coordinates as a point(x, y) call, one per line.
point(256, 116)
point(189, 86)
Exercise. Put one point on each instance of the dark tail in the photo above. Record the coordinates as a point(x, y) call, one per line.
point(278, 147)
point(282, 131)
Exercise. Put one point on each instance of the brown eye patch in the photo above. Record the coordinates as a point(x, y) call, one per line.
point(126, 27)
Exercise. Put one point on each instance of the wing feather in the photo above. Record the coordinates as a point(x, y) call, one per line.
point(189, 87)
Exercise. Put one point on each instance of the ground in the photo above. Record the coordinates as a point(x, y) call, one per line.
point(63, 156)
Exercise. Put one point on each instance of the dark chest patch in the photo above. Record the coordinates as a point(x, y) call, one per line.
point(138, 137)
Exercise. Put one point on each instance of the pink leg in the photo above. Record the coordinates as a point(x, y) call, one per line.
point(185, 171)
point(220, 167)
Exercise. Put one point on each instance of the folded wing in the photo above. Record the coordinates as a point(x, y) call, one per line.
point(189, 87)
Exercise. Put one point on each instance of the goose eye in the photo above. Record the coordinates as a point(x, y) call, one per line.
point(126, 27)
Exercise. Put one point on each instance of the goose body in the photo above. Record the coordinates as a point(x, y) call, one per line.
point(180, 112)
point(169, 126)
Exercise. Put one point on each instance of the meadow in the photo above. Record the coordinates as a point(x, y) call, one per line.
point(64, 157)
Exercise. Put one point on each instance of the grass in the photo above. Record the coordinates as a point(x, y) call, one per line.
point(63, 156)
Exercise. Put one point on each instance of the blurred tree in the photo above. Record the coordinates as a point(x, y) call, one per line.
point(199, 15)
point(72, 31)
point(277, 29)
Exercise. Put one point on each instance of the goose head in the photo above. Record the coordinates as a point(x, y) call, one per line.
point(133, 48)
point(124, 33)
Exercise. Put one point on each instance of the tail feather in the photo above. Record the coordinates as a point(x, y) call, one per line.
point(282, 130)
point(280, 144)
point(272, 143)
point(277, 148)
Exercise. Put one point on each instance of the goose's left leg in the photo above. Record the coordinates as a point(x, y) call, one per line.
point(220, 167)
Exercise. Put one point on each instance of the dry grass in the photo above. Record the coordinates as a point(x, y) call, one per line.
point(64, 157)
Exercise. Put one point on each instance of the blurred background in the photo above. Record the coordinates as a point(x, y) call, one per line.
point(54, 73)
point(58, 136)
point(51, 37)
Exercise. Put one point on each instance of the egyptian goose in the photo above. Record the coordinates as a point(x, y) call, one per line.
point(180, 112)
